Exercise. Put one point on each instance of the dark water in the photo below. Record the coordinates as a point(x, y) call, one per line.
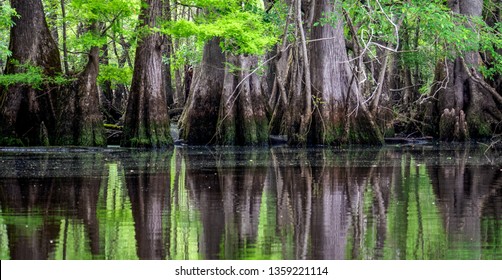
point(277, 203)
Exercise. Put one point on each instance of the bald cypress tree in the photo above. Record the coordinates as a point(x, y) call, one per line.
point(147, 118)
point(467, 107)
point(27, 115)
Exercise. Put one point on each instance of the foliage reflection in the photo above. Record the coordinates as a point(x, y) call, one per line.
point(278, 203)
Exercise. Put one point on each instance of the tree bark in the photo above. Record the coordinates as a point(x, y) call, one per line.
point(167, 50)
point(334, 112)
point(166, 72)
point(307, 116)
point(65, 48)
point(467, 106)
point(147, 119)
point(27, 114)
point(80, 121)
point(89, 121)
point(242, 119)
point(199, 120)
point(225, 106)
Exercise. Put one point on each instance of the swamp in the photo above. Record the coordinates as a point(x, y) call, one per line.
point(395, 202)
point(250, 129)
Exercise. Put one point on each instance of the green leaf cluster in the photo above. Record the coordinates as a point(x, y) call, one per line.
point(93, 23)
point(242, 26)
point(188, 53)
point(30, 75)
point(7, 13)
point(428, 32)
point(115, 75)
point(490, 45)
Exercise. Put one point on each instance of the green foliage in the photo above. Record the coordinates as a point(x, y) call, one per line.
point(115, 75)
point(7, 13)
point(424, 32)
point(109, 19)
point(11, 141)
point(103, 10)
point(88, 40)
point(32, 76)
point(375, 22)
point(244, 29)
point(28, 75)
point(490, 46)
point(448, 35)
point(188, 53)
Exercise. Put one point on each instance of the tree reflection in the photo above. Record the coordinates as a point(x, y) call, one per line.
point(148, 186)
point(28, 234)
point(465, 189)
point(320, 199)
point(202, 182)
point(227, 192)
point(36, 209)
point(233, 203)
point(117, 236)
point(292, 180)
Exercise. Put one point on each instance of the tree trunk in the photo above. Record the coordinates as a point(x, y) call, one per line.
point(335, 113)
point(65, 48)
point(121, 93)
point(80, 121)
point(467, 106)
point(167, 52)
point(225, 106)
point(147, 118)
point(166, 72)
point(199, 120)
point(179, 91)
point(26, 114)
point(279, 96)
point(242, 119)
point(89, 121)
point(280, 71)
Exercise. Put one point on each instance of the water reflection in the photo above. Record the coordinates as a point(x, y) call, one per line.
point(229, 203)
point(469, 201)
point(148, 188)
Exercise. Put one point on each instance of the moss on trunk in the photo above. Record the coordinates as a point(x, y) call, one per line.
point(198, 123)
point(479, 126)
point(335, 112)
point(466, 107)
point(147, 122)
point(243, 118)
point(27, 114)
point(91, 135)
point(80, 121)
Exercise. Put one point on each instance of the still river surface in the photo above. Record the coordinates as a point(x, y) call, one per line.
point(395, 202)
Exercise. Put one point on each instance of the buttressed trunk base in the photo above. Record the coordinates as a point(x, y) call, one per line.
point(27, 114)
